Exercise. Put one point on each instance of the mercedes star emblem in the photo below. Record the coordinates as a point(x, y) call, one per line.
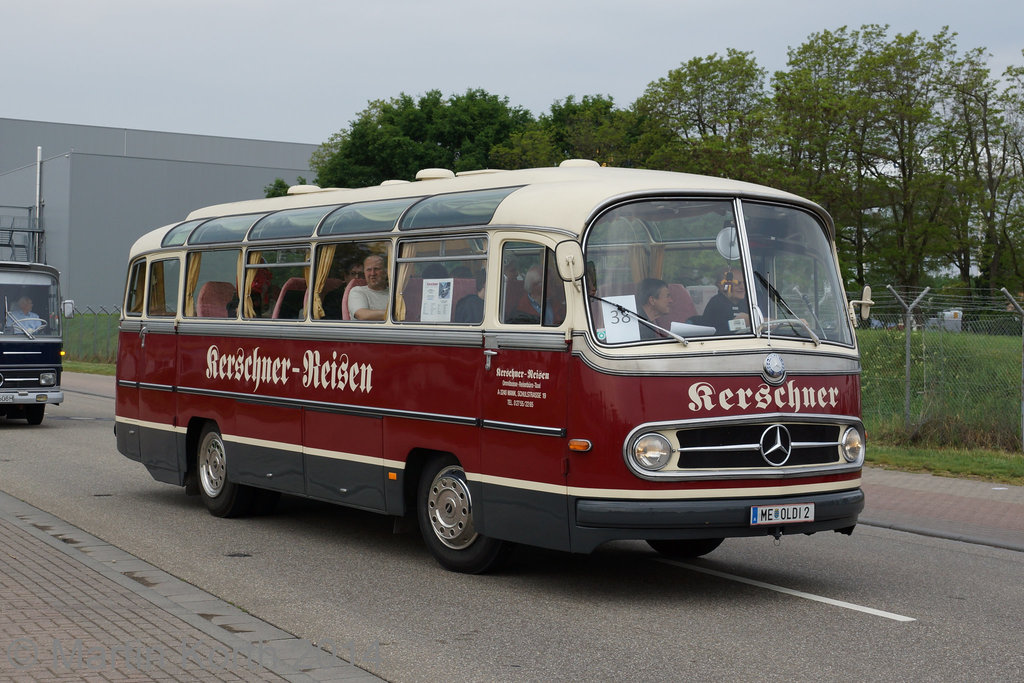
point(776, 445)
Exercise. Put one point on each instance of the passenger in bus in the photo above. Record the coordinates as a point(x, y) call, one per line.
point(22, 318)
point(470, 308)
point(728, 311)
point(529, 306)
point(655, 301)
point(370, 301)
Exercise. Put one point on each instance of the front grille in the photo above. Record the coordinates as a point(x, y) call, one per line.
point(20, 379)
point(738, 446)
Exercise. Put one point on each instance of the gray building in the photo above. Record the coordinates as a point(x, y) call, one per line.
point(101, 188)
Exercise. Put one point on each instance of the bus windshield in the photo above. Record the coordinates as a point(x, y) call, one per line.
point(661, 269)
point(29, 304)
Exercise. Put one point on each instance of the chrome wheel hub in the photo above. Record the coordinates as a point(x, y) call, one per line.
point(450, 508)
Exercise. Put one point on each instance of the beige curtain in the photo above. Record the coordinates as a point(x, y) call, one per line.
point(404, 273)
point(250, 276)
point(639, 262)
point(157, 301)
point(191, 281)
point(325, 259)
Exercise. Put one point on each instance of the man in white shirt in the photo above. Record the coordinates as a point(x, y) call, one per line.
point(23, 318)
point(370, 302)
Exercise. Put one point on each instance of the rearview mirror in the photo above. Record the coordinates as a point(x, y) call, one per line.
point(569, 258)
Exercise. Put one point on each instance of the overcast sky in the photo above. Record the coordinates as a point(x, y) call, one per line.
point(301, 71)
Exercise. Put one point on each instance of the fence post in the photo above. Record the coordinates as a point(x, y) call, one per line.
point(908, 324)
point(1020, 311)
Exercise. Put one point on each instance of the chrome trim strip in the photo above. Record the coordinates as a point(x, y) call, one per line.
point(155, 387)
point(754, 446)
point(528, 429)
point(21, 353)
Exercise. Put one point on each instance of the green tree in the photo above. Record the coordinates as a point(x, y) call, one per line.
point(279, 188)
point(396, 138)
point(707, 116)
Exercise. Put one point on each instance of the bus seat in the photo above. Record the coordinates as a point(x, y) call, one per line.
point(682, 306)
point(514, 292)
point(354, 282)
point(212, 300)
point(291, 299)
point(413, 297)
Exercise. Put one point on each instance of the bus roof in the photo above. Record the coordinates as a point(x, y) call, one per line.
point(563, 197)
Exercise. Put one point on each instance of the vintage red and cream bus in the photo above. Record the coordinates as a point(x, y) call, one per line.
point(557, 357)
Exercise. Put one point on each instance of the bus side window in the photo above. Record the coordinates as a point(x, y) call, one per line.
point(164, 277)
point(531, 291)
point(211, 289)
point(136, 288)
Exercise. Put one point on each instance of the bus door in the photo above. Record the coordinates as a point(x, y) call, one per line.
point(524, 404)
point(156, 349)
point(129, 363)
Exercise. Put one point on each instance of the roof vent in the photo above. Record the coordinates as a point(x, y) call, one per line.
point(579, 163)
point(395, 182)
point(434, 174)
point(303, 189)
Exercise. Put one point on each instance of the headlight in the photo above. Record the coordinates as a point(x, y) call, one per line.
point(47, 379)
point(852, 445)
point(652, 451)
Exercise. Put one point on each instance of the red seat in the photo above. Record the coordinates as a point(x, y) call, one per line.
point(213, 298)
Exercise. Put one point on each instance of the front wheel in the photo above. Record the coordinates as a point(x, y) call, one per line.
point(687, 549)
point(34, 414)
point(222, 498)
point(445, 511)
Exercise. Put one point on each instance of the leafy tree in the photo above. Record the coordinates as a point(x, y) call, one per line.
point(398, 137)
point(707, 116)
point(279, 188)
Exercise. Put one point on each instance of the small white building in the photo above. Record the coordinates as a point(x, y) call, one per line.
point(101, 188)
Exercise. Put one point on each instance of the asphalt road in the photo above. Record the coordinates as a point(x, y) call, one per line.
point(882, 604)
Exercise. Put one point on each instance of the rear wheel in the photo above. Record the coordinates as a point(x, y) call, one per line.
point(222, 498)
point(34, 414)
point(686, 549)
point(445, 510)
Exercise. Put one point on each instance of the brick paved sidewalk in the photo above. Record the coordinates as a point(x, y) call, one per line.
point(945, 507)
point(75, 608)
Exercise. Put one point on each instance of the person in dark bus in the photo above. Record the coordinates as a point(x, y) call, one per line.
point(21, 318)
point(370, 302)
point(470, 308)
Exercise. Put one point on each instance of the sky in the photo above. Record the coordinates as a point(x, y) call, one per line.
point(302, 71)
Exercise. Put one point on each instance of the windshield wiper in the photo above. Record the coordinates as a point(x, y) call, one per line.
point(645, 321)
point(792, 322)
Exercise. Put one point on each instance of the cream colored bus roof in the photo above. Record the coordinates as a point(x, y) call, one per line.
point(564, 197)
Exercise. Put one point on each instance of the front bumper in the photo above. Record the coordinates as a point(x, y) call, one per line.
point(598, 521)
point(23, 397)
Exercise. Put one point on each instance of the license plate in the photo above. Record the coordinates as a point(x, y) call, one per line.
point(6, 398)
point(781, 514)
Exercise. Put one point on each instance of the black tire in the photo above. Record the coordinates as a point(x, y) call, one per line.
point(445, 512)
point(222, 498)
point(34, 414)
point(687, 549)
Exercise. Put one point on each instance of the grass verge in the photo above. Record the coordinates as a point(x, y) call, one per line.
point(91, 368)
point(996, 466)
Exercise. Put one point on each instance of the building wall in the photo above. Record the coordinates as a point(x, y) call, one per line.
point(104, 187)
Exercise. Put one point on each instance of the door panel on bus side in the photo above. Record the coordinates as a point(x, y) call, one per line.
point(343, 459)
point(129, 365)
point(522, 442)
point(157, 401)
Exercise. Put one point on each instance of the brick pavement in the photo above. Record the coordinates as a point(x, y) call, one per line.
point(945, 507)
point(75, 608)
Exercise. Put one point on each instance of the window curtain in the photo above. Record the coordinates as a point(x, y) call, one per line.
point(405, 271)
point(191, 281)
point(324, 262)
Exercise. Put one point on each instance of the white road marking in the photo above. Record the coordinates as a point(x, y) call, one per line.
point(790, 591)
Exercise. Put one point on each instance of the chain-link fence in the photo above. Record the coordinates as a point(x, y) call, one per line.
point(938, 369)
point(942, 369)
point(91, 335)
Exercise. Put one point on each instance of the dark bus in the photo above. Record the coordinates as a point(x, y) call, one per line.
point(31, 346)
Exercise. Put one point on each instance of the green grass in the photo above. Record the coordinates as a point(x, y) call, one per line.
point(91, 368)
point(996, 466)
